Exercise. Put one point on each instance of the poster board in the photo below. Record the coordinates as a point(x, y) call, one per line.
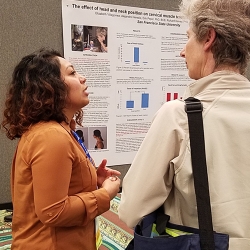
point(131, 59)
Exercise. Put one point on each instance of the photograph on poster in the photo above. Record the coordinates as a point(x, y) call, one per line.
point(82, 132)
point(89, 38)
point(97, 138)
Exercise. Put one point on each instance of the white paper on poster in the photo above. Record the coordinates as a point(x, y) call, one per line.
point(131, 60)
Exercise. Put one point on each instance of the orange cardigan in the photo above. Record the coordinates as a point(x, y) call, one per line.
point(54, 192)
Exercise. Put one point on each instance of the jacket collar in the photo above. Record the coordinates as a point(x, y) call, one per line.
point(217, 81)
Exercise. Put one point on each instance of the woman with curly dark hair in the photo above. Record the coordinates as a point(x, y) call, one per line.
point(56, 190)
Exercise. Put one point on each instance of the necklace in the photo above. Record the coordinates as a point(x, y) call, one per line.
point(65, 128)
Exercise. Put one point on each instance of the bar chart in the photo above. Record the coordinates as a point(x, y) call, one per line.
point(136, 100)
point(133, 54)
point(172, 96)
point(144, 101)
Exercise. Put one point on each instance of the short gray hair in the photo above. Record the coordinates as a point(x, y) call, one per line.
point(231, 22)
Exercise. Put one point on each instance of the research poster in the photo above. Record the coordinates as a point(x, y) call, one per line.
point(131, 60)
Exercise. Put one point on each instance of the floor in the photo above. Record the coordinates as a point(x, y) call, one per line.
point(115, 234)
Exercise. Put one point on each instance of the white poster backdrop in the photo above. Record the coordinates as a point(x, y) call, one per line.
point(131, 70)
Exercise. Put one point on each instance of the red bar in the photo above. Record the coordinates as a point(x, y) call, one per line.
point(175, 96)
point(168, 97)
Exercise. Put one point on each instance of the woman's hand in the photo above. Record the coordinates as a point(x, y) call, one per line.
point(103, 173)
point(112, 186)
point(101, 39)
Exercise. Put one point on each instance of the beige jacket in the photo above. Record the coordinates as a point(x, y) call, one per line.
point(54, 192)
point(161, 171)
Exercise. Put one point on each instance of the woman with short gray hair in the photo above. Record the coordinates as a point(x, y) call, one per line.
point(216, 55)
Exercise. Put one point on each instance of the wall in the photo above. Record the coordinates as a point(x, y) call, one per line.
point(25, 27)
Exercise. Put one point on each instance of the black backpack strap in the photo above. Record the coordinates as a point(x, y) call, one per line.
point(194, 109)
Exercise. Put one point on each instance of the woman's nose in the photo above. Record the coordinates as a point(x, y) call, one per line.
point(182, 53)
point(82, 79)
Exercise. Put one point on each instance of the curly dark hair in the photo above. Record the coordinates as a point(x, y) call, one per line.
point(36, 93)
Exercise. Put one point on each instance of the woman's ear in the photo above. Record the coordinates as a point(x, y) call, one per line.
point(210, 37)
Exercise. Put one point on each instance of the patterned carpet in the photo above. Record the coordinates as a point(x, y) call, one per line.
point(115, 234)
point(5, 231)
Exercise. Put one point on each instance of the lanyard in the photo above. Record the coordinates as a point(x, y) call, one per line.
point(98, 232)
point(79, 140)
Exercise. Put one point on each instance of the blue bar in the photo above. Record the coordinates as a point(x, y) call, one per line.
point(144, 100)
point(136, 54)
point(130, 104)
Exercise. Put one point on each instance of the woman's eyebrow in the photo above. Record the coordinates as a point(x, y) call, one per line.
point(70, 66)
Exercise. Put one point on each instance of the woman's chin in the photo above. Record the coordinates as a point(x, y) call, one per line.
point(85, 103)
